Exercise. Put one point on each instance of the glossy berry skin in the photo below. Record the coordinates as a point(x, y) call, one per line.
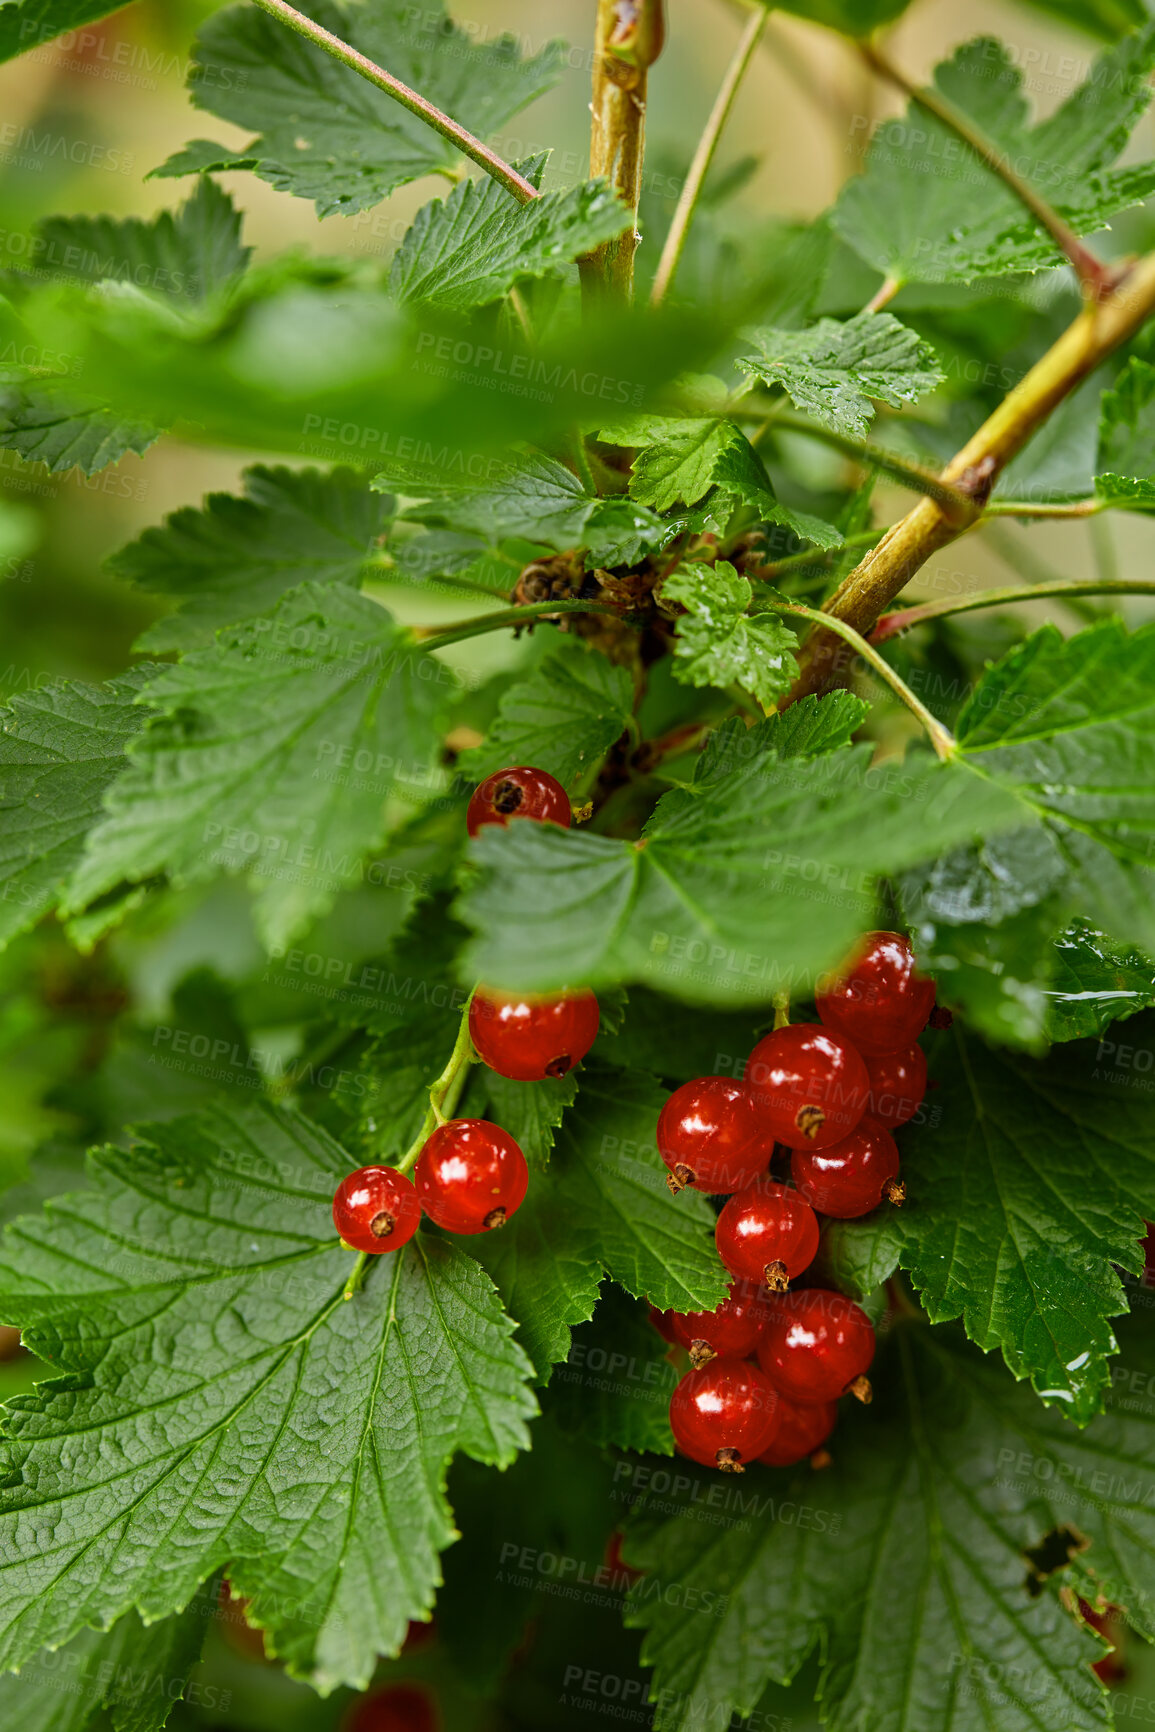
point(767, 1233)
point(471, 1176)
point(520, 792)
point(733, 1331)
point(809, 1083)
point(724, 1414)
point(816, 1344)
point(376, 1209)
point(712, 1137)
point(801, 1430)
point(851, 1177)
point(878, 1000)
point(529, 1039)
point(897, 1085)
point(397, 1708)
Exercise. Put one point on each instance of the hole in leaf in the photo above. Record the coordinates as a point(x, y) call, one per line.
point(1053, 1552)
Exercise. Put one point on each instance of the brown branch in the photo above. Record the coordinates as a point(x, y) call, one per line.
point(630, 37)
point(885, 572)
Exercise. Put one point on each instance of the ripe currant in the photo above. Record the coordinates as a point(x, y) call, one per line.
point(810, 1085)
point(851, 1177)
point(816, 1346)
point(471, 1176)
point(801, 1430)
point(767, 1233)
point(530, 1039)
point(711, 1136)
point(724, 1414)
point(376, 1209)
point(732, 1331)
point(397, 1708)
point(520, 792)
point(877, 1000)
point(897, 1085)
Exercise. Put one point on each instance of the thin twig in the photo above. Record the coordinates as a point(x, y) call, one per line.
point(954, 500)
point(1095, 277)
point(1044, 508)
point(886, 571)
point(469, 146)
point(445, 1093)
point(883, 295)
point(894, 624)
point(437, 636)
point(941, 738)
point(704, 155)
point(816, 556)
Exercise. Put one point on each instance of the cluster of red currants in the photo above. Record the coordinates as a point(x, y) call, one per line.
point(831, 1092)
point(471, 1175)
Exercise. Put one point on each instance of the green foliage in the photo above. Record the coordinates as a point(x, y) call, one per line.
point(1127, 439)
point(344, 1404)
point(564, 717)
point(927, 210)
point(26, 24)
point(719, 643)
point(328, 135)
point(937, 1490)
point(237, 556)
point(834, 370)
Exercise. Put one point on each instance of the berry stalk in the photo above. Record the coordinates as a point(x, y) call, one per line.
point(445, 1093)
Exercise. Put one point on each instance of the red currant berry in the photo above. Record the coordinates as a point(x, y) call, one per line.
point(732, 1331)
point(711, 1136)
point(801, 1430)
point(851, 1177)
point(398, 1708)
point(471, 1176)
point(530, 1039)
point(376, 1209)
point(897, 1085)
point(724, 1414)
point(816, 1346)
point(767, 1233)
point(810, 1085)
point(521, 792)
point(877, 1000)
point(663, 1323)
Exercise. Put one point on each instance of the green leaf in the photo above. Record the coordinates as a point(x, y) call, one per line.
point(563, 718)
point(61, 748)
point(545, 1266)
point(1127, 439)
point(857, 1256)
point(606, 1208)
point(185, 258)
point(1105, 18)
point(530, 1111)
point(904, 1562)
point(127, 1679)
point(287, 747)
point(223, 1406)
point(717, 902)
point(327, 134)
point(236, 556)
point(926, 209)
point(470, 249)
point(1095, 982)
point(995, 976)
point(836, 369)
point(28, 24)
point(681, 459)
point(56, 425)
point(1034, 1184)
point(807, 729)
point(616, 1384)
point(1069, 726)
point(529, 498)
point(719, 644)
